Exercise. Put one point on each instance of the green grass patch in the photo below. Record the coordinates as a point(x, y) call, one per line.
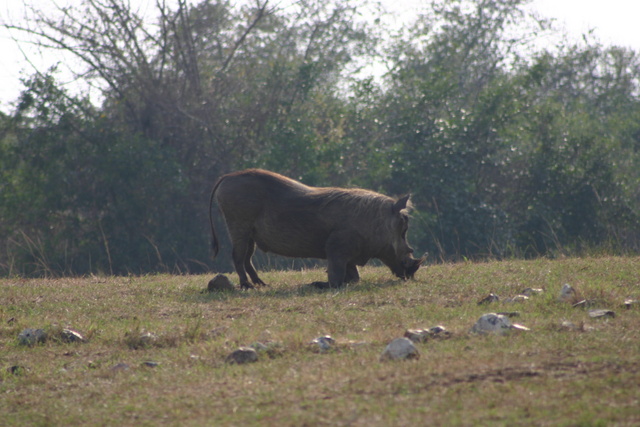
point(550, 375)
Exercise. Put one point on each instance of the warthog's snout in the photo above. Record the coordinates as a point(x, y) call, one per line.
point(409, 266)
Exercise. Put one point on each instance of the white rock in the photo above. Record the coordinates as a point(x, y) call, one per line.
point(400, 348)
point(495, 323)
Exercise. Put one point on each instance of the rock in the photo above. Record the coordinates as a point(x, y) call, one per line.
point(69, 335)
point(517, 298)
point(150, 364)
point(147, 338)
point(489, 299)
point(567, 293)
point(531, 291)
point(422, 335)
point(17, 370)
point(417, 335)
point(628, 303)
point(495, 323)
point(242, 355)
point(569, 326)
point(601, 313)
point(439, 331)
point(510, 314)
point(220, 283)
point(324, 343)
point(400, 349)
point(270, 348)
point(585, 303)
point(32, 336)
point(120, 367)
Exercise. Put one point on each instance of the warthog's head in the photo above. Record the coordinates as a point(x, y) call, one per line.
point(399, 257)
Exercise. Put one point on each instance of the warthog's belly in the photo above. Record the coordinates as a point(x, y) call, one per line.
point(292, 234)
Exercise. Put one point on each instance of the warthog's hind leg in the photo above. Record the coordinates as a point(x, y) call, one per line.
point(248, 265)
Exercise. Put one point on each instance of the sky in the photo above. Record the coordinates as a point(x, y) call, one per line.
point(613, 22)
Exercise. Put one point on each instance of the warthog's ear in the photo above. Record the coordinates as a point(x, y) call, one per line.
point(401, 204)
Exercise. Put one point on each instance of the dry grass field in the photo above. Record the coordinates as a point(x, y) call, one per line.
point(156, 346)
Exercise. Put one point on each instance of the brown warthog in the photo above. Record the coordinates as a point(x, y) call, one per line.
point(347, 227)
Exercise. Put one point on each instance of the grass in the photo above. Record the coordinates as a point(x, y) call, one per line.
point(547, 376)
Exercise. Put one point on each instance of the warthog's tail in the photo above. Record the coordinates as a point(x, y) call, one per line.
point(214, 238)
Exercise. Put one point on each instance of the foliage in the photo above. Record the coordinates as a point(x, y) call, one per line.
point(507, 151)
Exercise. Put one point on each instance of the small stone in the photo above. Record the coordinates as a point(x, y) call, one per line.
point(569, 326)
point(495, 323)
point(439, 331)
point(510, 314)
point(517, 298)
point(417, 335)
point(150, 364)
point(324, 343)
point(400, 349)
point(120, 367)
point(32, 336)
point(69, 335)
point(601, 313)
point(567, 293)
point(147, 338)
point(16, 370)
point(422, 335)
point(489, 299)
point(628, 303)
point(585, 303)
point(531, 291)
point(258, 346)
point(242, 355)
point(220, 283)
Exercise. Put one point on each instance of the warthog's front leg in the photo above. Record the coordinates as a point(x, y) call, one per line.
point(341, 247)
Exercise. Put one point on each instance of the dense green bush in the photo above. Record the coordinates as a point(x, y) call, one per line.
point(506, 151)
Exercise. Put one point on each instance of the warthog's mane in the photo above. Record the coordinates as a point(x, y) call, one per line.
point(356, 202)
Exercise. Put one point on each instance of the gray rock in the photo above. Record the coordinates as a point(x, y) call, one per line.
point(120, 367)
point(601, 313)
point(517, 298)
point(567, 293)
point(439, 331)
point(510, 314)
point(32, 336)
point(489, 299)
point(423, 335)
point(220, 283)
point(628, 303)
point(242, 355)
point(495, 323)
point(400, 349)
point(585, 303)
point(531, 291)
point(324, 343)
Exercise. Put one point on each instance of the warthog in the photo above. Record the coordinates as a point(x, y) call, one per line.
point(347, 227)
